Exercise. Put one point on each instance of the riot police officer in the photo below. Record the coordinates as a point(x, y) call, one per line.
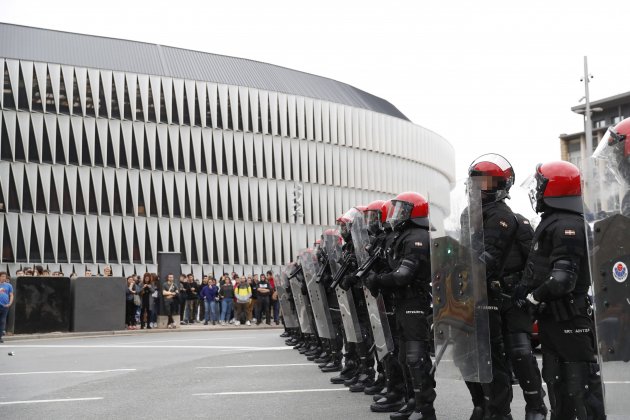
point(614, 150)
point(409, 276)
point(493, 176)
point(517, 323)
point(558, 277)
point(391, 398)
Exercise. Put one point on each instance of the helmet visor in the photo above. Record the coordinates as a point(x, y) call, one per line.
point(531, 186)
point(614, 152)
point(399, 212)
point(373, 219)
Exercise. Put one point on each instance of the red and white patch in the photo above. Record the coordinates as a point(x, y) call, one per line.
point(503, 223)
point(569, 232)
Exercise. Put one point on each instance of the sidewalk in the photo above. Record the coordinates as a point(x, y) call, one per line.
point(182, 328)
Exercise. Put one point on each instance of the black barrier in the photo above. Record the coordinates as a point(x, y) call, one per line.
point(98, 304)
point(41, 305)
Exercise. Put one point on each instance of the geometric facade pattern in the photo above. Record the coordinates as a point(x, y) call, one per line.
point(111, 167)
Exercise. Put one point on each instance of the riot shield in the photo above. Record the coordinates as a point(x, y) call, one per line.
point(301, 305)
point(288, 307)
point(606, 210)
point(383, 340)
point(349, 318)
point(319, 303)
point(460, 301)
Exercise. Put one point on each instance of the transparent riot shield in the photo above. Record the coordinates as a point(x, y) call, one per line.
point(289, 313)
point(460, 301)
point(319, 303)
point(383, 340)
point(607, 212)
point(301, 305)
point(349, 318)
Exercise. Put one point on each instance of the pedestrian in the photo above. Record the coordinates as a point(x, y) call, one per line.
point(146, 292)
point(264, 298)
point(201, 303)
point(275, 304)
point(558, 275)
point(226, 293)
point(253, 284)
point(107, 271)
point(6, 300)
point(171, 301)
point(190, 289)
point(210, 296)
point(243, 294)
point(130, 307)
point(155, 301)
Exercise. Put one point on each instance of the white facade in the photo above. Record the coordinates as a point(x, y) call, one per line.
point(101, 167)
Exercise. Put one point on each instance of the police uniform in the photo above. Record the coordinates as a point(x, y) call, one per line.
point(517, 321)
point(335, 344)
point(409, 277)
point(558, 274)
point(499, 232)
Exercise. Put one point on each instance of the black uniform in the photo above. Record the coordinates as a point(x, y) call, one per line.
point(337, 343)
point(394, 380)
point(499, 233)
point(517, 321)
point(558, 273)
point(409, 278)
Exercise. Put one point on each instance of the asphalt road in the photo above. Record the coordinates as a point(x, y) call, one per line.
point(246, 374)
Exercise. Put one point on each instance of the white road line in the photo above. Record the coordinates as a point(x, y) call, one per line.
point(50, 401)
point(288, 391)
point(253, 366)
point(617, 382)
point(65, 371)
point(132, 346)
point(192, 339)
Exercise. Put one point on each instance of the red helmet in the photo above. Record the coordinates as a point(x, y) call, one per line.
point(556, 185)
point(344, 222)
point(408, 206)
point(614, 148)
point(493, 174)
point(375, 215)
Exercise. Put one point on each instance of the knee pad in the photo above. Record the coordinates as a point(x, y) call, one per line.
point(416, 354)
point(576, 378)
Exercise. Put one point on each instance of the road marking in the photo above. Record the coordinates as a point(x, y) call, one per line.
point(253, 366)
point(50, 401)
point(617, 382)
point(287, 391)
point(66, 371)
point(132, 346)
point(193, 339)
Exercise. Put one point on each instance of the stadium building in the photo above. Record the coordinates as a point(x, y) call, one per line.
point(112, 151)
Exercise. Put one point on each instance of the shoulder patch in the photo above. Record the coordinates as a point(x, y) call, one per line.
point(525, 222)
point(569, 232)
point(418, 244)
point(503, 223)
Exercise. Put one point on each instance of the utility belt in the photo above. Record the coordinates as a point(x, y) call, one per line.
point(567, 307)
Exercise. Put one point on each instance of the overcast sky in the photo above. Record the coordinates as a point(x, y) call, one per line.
point(489, 76)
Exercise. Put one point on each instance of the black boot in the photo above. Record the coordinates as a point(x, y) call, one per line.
point(323, 358)
point(390, 403)
point(334, 366)
point(376, 386)
point(365, 379)
point(405, 411)
point(346, 373)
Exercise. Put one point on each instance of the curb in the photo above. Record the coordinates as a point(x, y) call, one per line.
point(19, 337)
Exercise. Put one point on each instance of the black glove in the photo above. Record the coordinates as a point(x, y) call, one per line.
point(347, 282)
point(519, 295)
point(372, 283)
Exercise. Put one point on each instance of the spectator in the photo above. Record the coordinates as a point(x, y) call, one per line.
point(253, 283)
point(107, 271)
point(38, 270)
point(182, 295)
point(170, 293)
point(210, 296)
point(46, 273)
point(190, 288)
point(195, 299)
point(88, 273)
point(275, 304)
point(19, 273)
point(146, 292)
point(226, 292)
point(130, 312)
point(243, 294)
point(201, 304)
point(264, 297)
point(6, 300)
point(155, 302)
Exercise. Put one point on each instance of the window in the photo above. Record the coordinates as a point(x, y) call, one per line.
point(617, 119)
point(600, 123)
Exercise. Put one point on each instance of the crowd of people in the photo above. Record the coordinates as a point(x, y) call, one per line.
point(233, 299)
